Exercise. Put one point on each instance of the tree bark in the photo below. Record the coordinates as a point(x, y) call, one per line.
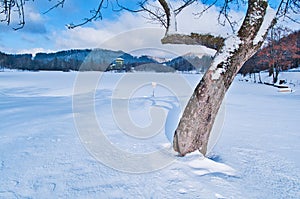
point(199, 115)
point(259, 78)
point(195, 39)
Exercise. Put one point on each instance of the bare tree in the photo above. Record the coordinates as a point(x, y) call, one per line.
point(199, 115)
point(277, 52)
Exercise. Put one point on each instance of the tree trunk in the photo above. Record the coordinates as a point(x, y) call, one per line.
point(276, 74)
point(259, 78)
point(199, 115)
point(273, 74)
point(197, 120)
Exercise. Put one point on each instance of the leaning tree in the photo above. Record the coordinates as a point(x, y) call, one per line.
point(233, 51)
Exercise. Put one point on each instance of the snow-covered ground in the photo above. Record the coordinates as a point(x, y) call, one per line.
point(44, 152)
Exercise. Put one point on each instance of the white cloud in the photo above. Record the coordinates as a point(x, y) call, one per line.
point(35, 23)
point(34, 51)
point(131, 32)
point(80, 37)
point(34, 16)
point(91, 37)
point(189, 21)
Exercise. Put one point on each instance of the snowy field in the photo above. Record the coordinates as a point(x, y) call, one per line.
point(44, 152)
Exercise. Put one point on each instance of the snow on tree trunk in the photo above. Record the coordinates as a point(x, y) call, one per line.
point(199, 115)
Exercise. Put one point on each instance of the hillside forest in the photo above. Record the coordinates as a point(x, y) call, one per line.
point(280, 53)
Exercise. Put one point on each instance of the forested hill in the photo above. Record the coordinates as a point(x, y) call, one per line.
point(98, 60)
point(101, 60)
point(280, 54)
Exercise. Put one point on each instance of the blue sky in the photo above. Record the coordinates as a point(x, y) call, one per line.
point(48, 32)
point(41, 28)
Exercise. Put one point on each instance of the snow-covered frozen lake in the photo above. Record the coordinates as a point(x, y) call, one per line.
point(44, 152)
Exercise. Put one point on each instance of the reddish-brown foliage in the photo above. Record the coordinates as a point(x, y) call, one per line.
point(279, 54)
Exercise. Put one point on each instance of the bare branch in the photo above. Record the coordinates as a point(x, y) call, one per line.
point(292, 19)
point(206, 9)
point(11, 9)
point(121, 7)
point(186, 4)
point(20, 6)
point(58, 4)
point(167, 11)
point(224, 16)
point(96, 15)
point(156, 14)
point(207, 40)
point(224, 12)
point(8, 7)
point(288, 8)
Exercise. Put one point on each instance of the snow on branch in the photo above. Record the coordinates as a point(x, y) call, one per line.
point(207, 40)
point(170, 15)
point(267, 23)
point(220, 62)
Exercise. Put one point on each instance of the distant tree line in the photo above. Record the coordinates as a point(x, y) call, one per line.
point(281, 53)
point(60, 61)
point(190, 63)
point(100, 60)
